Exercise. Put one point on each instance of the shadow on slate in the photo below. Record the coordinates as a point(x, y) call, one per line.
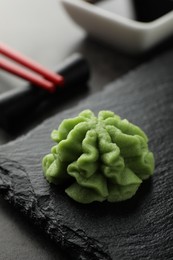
point(141, 228)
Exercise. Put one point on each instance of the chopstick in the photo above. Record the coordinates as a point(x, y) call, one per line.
point(7, 66)
point(22, 101)
point(49, 79)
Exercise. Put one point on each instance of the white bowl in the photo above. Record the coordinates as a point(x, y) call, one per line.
point(120, 32)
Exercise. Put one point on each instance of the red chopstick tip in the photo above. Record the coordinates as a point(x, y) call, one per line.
point(46, 85)
point(52, 89)
point(61, 82)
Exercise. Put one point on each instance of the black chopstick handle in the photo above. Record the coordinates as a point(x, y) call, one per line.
point(75, 71)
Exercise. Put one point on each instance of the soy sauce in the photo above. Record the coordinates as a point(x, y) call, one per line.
point(139, 10)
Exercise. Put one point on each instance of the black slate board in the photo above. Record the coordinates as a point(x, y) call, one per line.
point(141, 228)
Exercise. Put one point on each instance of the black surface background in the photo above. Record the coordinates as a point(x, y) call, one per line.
point(42, 30)
point(140, 228)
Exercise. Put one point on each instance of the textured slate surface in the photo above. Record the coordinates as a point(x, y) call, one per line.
point(141, 228)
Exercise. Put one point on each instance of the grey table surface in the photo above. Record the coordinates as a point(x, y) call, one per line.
point(43, 31)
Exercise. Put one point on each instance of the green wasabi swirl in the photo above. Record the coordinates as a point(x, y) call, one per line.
point(99, 158)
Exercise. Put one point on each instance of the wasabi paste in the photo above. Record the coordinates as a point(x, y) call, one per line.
point(98, 158)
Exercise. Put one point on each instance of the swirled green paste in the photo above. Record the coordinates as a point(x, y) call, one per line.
point(98, 158)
